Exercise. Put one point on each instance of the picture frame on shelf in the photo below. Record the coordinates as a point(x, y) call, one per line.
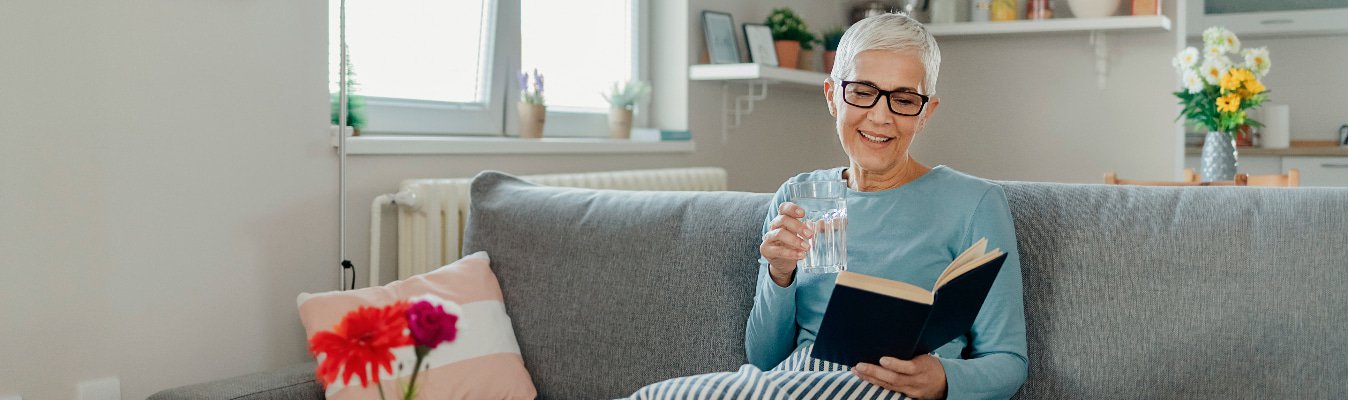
point(758, 37)
point(719, 29)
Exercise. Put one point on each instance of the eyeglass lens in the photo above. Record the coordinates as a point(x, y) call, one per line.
point(865, 96)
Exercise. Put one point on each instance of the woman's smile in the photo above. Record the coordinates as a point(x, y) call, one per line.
point(874, 138)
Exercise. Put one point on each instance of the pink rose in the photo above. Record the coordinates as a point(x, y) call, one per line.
point(430, 324)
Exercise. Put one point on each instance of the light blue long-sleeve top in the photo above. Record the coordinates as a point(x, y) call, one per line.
point(910, 233)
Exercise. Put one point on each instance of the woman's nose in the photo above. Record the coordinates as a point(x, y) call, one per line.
point(880, 113)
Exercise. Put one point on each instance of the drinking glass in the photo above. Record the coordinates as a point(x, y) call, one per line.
point(825, 204)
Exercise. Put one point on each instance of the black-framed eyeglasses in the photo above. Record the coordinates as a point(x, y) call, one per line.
point(865, 95)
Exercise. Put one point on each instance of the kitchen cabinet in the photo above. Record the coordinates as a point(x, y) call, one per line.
point(1264, 18)
point(1319, 171)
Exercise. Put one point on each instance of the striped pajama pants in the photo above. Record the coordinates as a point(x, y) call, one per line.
point(798, 377)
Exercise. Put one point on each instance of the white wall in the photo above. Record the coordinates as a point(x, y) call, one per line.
point(166, 188)
point(1027, 107)
point(1310, 75)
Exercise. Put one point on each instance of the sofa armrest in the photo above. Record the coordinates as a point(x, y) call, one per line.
point(290, 383)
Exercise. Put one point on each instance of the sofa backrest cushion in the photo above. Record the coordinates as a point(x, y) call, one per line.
point(1151, 292)
point(612, 290)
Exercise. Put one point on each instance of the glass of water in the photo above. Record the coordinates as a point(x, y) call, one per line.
point(825, 204)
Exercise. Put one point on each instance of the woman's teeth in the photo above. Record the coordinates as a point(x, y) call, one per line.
point(876, 139)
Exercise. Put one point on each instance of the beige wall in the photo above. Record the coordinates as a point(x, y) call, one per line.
point(166, 189)
point(1310, 75)
point(1027, 107)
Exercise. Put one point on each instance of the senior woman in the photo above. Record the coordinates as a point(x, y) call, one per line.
point(906, 221)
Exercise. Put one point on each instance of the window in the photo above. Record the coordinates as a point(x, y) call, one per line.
point(450, 67)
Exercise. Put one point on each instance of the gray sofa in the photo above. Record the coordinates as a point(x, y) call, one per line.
point(1130, 292)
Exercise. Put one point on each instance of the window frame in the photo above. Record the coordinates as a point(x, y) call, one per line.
point(499, 115)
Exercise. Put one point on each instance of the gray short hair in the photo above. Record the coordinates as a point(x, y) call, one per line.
point(888, 32)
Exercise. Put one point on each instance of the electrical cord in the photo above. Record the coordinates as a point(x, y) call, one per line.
point(346, 264)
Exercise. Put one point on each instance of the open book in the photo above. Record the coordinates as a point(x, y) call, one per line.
point(869, 317)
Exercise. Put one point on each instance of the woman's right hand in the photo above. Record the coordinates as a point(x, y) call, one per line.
point(785, 243)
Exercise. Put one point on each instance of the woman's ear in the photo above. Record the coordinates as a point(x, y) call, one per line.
point(927, 112)
point(828, 97)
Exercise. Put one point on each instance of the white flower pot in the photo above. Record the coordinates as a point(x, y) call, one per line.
point(1093, 8)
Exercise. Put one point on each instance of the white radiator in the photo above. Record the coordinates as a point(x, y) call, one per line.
point(432, 212)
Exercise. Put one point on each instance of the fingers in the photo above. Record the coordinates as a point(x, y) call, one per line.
point(787, 239)
point(791, 209)
point(899, 366)
point(920, 377)
point(783, 248)
point(877, 375)
point(793, 225)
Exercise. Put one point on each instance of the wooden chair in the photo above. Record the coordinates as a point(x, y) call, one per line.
point(1190, 179)
point(1291, 179)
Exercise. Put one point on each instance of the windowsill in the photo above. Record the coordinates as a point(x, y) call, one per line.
point(390, 145)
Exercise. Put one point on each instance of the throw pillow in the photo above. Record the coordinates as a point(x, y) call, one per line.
point(482, 362)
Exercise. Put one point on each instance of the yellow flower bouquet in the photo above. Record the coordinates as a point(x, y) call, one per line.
point(1218, 91)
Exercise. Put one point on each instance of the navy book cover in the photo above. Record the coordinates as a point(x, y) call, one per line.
point(868, 317)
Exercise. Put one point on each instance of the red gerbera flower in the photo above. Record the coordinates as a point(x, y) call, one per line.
point(361, 344)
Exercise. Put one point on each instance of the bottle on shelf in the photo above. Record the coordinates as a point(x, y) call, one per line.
point(1038, 9)
point(942, 11)
point(980, 10)
point(1146, 7)
point(1003, 10)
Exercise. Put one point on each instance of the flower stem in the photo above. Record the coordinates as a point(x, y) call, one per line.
point(416, 370)
point(380, 386)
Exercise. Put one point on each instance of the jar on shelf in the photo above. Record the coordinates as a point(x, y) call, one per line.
point(980, 10)
point(1003, 10)
point(1038, 9)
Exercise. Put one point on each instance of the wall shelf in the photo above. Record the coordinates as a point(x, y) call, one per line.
point(746, 72)
point(1121, 23)
point(1097, 27)
point(757, 77)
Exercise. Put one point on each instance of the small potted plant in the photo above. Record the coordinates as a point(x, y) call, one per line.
point(789, 35)
point(621, 98)
point(532, 110)
point(355, 105)
point(831, 39)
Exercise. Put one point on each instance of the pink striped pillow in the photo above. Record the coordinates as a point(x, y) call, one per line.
point(484, 360)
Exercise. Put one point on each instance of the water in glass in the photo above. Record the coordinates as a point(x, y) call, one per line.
point(825, 205)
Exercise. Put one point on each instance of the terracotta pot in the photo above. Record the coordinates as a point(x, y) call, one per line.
point(788, 53)
point(531, 120)
point(828, 61)
point(619, 123)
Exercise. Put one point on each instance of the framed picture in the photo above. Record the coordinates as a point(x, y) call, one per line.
point(719, 27)
point(761, 49)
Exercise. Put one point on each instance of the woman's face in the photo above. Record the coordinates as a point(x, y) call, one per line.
point(890, 134)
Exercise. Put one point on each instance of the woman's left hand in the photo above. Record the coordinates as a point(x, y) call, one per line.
point(923, 377)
